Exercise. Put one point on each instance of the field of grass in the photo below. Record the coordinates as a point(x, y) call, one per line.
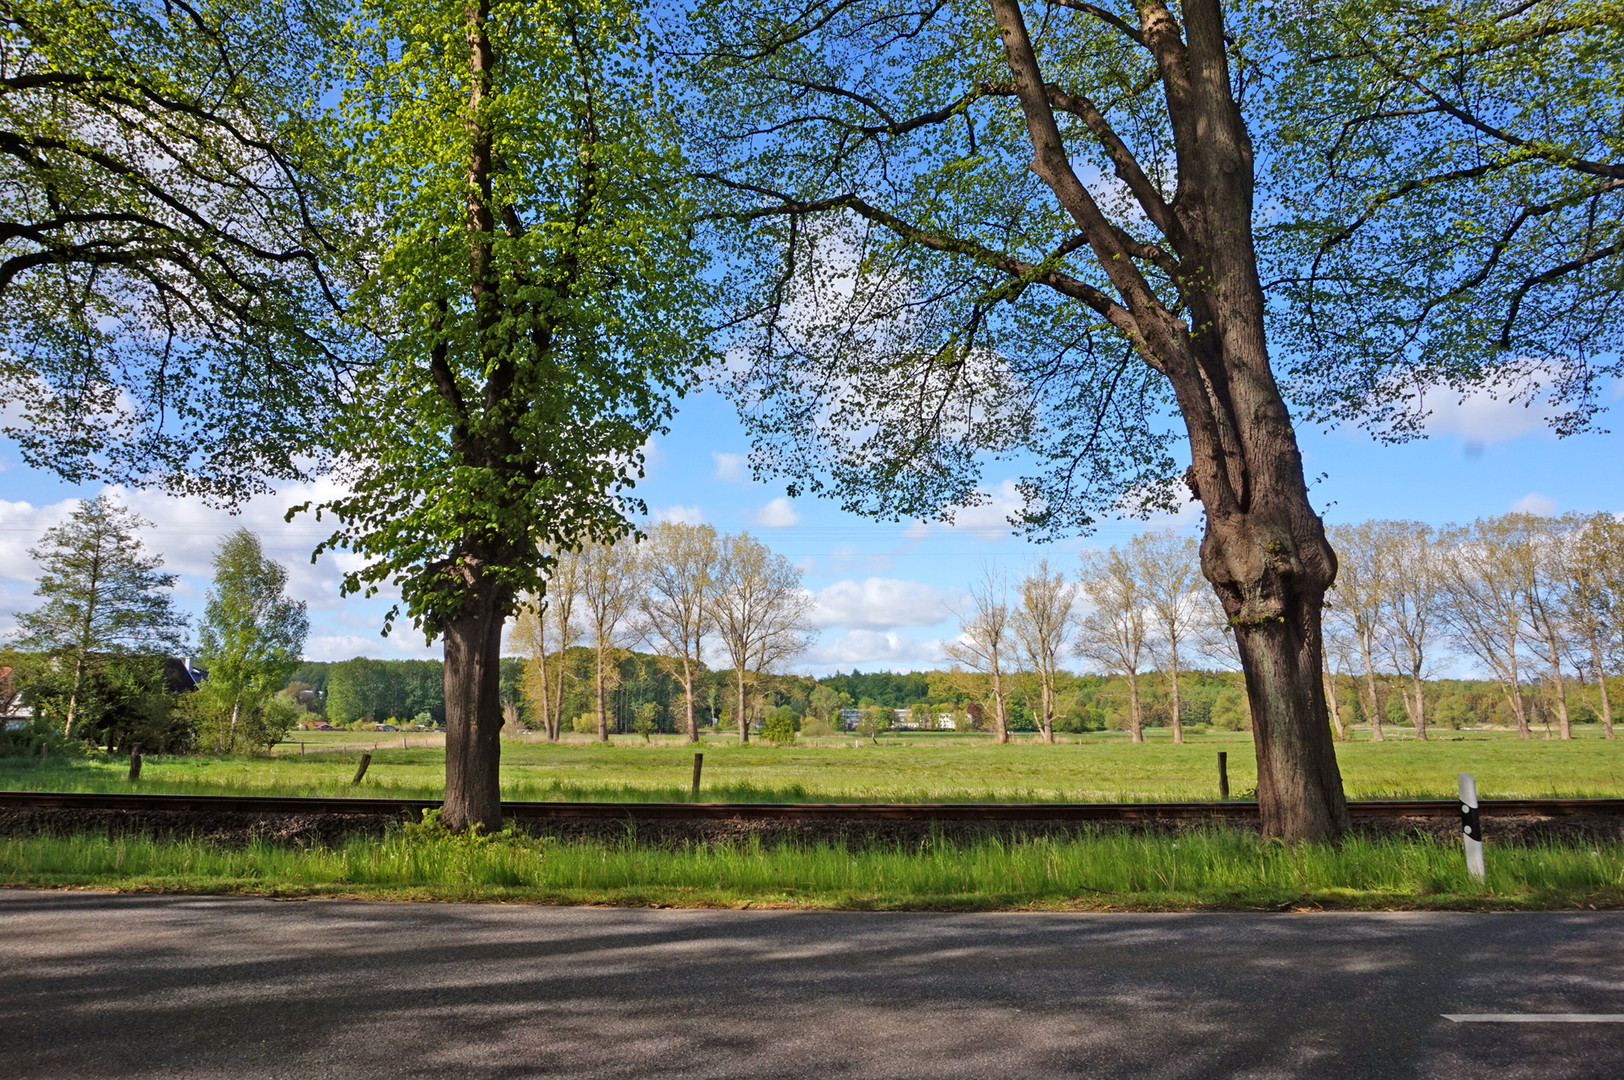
point(904, 768)
point(1211, 869)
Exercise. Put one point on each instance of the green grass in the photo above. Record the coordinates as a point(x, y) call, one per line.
point(1210, 869)
point(910, 768)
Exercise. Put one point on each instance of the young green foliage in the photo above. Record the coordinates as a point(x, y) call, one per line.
point(251, 636)
point(534, 293)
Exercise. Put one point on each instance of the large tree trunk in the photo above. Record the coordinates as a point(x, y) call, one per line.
point(1374, 708)
point(688, 699)
point(1514, 697)
point(743, 714)
point(602, 695)
point(1173, 687)
point(473, 714)
point(1601, 683)
point(1046, 705)
point(1264, 551)
point(1331, 701)
point(73, 695)
point(1136, 720)
point(1419, 714)
point(558, 696)
point(1000, 717)
point(1564, 725)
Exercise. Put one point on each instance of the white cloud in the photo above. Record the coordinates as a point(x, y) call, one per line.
point(868, 649)
point(684, 515)
point(780, 513)
point(1534, 503)
point(734, 468)
point(1481, 419)
point(21, 527)
point(880, 604)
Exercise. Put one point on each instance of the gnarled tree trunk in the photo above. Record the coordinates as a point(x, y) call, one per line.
point(1265, 550)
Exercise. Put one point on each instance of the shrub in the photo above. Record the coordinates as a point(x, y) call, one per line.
point(779, 730)
point(585, 724)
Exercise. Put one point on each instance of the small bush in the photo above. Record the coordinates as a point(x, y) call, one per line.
point(779, 730)
point(585, 724)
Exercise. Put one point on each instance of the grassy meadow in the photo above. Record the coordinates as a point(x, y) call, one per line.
point(1103, 767)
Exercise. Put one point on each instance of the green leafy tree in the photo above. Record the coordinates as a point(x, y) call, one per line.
point(643, 720)
point(532, 287)
point(104, 598)
point(167, 205)
point(874, 721)
point(251, 635)
point(779, 727)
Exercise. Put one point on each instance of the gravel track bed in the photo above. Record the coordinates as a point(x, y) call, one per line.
point(230, 829)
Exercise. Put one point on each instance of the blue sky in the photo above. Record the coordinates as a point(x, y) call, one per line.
point(886, 592)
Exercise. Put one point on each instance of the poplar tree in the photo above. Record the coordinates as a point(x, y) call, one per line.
point(252, 635)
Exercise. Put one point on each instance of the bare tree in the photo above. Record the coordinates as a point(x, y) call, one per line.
point(679, 562)
point(546, 629)
point(611, 584)
point(1043, 624)
point(1408, 552)
point(1542, 562)
point(759, 610)
point(984, 642)
point(1358, 599)
point(1337, 649)
point(1169, 570)
point(1485, 603)
point(1113, 633)
point(1593, 597)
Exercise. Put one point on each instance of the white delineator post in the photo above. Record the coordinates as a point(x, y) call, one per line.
point(1471, 830)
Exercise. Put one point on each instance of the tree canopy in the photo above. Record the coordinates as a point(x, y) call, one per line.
point(1447, 203)
point(170, 229)
point(535, 294)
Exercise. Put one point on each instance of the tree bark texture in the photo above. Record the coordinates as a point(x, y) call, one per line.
point(473, 712)
point(1136, 720)
point(601, 698)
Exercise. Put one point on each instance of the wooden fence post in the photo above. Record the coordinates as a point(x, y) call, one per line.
point(366, 759)
point(135, 762)
point(1223, 774)
point(699, 759)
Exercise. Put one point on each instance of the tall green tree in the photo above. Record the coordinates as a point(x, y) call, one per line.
point(104, 598)
point(251, 636)
point(533, 291)
point(170, 220)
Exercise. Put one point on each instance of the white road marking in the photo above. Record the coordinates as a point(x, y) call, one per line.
point(1535, 1018)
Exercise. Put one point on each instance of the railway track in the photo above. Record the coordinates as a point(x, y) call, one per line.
point(1235, 810)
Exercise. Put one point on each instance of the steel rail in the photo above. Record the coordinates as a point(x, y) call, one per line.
point(1238, 810)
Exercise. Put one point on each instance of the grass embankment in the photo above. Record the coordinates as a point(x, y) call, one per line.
point(910, 768)
point(1205, 870)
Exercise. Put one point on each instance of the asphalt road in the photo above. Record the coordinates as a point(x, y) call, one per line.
point(93, 985)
